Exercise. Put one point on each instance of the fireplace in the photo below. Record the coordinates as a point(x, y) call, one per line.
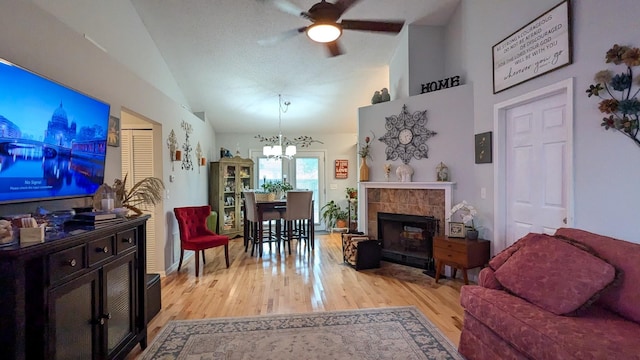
point(408, 239)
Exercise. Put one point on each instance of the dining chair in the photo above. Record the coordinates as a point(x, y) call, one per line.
point(299, 218)
point(255, 232)
point(194, 234)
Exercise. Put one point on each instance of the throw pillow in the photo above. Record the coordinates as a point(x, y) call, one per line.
point(555, 275)
point(505, 254)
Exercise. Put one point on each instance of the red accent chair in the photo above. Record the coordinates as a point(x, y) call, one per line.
point(194, 234)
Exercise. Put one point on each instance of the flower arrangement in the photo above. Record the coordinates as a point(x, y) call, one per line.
point(467, 212)
point(148, 191)
point(365, 151)
point(619, 99)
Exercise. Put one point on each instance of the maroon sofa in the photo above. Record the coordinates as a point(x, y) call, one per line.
point(573, 295)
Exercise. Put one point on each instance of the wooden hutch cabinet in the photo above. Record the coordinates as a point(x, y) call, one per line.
point(79, 296)
point(228, 178)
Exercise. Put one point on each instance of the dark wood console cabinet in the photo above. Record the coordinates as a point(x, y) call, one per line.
point(80, 296)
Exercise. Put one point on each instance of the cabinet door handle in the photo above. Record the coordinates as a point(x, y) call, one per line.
point(128, 240)
point(104, 249)
point(72, 262)
point(102, 318)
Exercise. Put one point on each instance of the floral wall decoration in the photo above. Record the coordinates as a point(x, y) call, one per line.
point(619, 92)
point(186, 159)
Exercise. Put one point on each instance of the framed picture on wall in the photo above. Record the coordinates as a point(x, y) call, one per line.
point(113, 135)
point(342, 169)
point(457, 230)
point(483, 148)
point(541, 46)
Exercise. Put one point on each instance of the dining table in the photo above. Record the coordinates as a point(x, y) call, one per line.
point(279, 205)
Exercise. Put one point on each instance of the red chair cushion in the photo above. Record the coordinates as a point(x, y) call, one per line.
point(205, 242)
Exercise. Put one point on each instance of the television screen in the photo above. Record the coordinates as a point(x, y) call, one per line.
point(53, 139)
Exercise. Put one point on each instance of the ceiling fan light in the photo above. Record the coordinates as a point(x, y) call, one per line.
point(324, 33)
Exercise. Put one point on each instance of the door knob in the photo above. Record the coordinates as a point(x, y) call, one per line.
point(564, 221)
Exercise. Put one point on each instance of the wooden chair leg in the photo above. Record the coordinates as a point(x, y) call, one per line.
point(226, 254)
point(290, 235)
point(203, 259)
point(197, 263)
point(181, 256)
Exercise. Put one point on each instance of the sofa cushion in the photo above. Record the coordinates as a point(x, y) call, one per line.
point(487, 279)
point(505, 254)
point(555, 275)
point(625, 256)
point(539, 334)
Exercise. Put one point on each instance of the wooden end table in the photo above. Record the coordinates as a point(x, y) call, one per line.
point(459, 254)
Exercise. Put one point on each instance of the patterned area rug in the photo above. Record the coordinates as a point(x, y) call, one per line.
point(387, 333)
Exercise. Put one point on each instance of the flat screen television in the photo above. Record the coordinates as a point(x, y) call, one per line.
point(53, 139)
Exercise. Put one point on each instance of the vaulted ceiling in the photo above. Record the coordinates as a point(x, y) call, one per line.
point(206, 55)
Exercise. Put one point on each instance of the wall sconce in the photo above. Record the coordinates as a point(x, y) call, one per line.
point(200, 160)
point(172, 145)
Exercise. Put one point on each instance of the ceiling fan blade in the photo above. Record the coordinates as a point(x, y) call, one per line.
point(344, 5)
point(334, 48)
point(281, 37)
point(379, 26)
point(288, 7)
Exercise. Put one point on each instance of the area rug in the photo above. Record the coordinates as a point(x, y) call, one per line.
point(401, 333)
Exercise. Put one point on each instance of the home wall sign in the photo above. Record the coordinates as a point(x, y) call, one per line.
point(541, 46)
point(440, 84)
point(407, 135)
point(342, 169)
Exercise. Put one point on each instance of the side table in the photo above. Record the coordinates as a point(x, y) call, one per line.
point(459, 254)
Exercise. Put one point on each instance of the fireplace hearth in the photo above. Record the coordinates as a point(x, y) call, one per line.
point(408, 239)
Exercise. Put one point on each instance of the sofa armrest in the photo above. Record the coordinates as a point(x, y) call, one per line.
point(487, 279)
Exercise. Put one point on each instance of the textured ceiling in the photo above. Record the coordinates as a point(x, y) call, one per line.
point(210, 48)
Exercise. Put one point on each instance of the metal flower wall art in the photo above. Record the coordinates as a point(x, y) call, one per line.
point(407, 135)
point(619, 92)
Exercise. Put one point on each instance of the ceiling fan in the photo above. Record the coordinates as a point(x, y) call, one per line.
point(325, 28)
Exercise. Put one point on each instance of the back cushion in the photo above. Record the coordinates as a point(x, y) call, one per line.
point(555, 275)
point(625, 297)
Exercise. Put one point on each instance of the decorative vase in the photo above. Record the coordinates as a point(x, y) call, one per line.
point(472, 234)
point(364, 170)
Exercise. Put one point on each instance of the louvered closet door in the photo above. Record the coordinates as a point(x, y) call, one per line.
point(137, 161)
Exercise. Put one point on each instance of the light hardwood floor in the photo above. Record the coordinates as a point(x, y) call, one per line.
point(301, 282)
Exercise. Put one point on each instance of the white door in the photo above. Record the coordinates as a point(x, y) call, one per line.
point(537, 166)
point(137, 164)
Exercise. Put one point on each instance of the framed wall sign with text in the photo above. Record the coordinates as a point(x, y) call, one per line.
point(342, 169)
point(541, 46)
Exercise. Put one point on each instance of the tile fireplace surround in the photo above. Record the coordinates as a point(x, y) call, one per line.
point(409, 198)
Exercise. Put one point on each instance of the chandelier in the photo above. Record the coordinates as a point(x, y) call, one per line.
point(275, 144)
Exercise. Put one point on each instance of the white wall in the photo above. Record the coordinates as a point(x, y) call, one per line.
point(34, 39)
point(450, 114)
point(607, 164)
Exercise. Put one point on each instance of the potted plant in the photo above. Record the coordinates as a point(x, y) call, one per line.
point(352, 193)
point(277, 187)
point(333, 215)
point(148, 191)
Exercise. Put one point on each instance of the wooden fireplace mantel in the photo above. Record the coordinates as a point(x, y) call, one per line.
point(433, 185)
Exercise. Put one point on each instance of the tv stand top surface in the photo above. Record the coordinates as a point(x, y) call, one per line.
point(54, 240)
